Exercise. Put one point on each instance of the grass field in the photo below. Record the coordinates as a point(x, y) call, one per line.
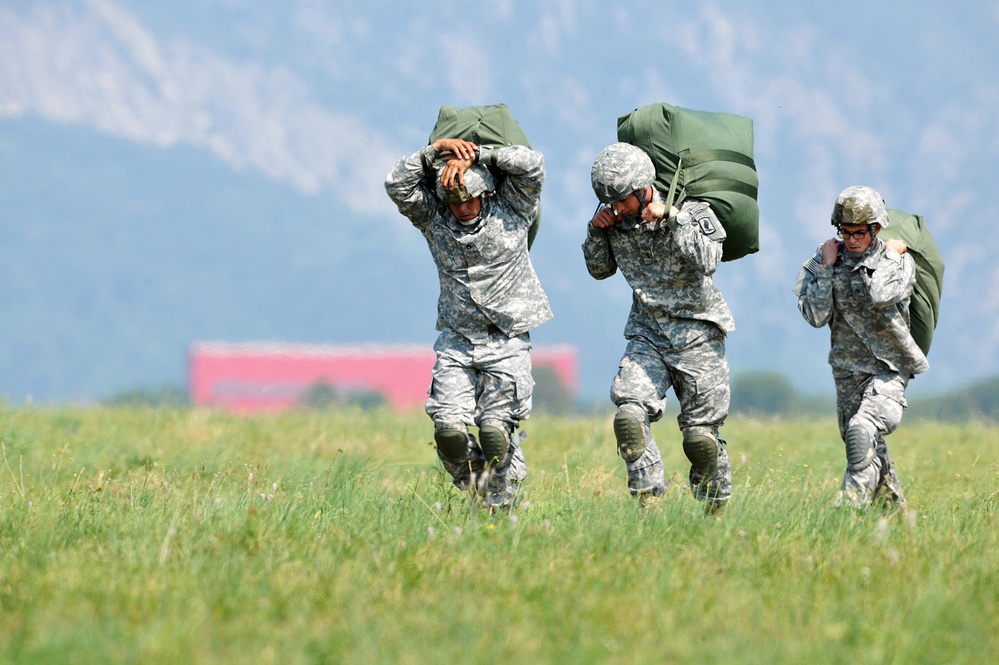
point(186, 536)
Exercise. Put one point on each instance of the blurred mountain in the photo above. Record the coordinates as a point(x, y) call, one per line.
point(212, 169)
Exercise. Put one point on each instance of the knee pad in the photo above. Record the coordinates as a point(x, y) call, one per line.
point(452, 442)
point(860, 451)
point(701, 448)
point(495, 441)
point(629, 430)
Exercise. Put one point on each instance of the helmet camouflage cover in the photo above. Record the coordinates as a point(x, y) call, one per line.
point(619, 170)
point(859, 205)
point(478, 180)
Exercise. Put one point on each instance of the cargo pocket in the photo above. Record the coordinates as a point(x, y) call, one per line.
point(893, 389)
point(710, 381)
point(709, 401)
point(431, 406)
point(523, 394)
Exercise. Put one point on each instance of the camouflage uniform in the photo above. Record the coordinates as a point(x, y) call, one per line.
point(865, 302)
point(490, 298)
point(676, 337)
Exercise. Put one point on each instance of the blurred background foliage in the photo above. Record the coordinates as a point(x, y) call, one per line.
point(755, 393)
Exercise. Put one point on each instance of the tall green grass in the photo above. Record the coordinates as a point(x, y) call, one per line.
point(187, 536)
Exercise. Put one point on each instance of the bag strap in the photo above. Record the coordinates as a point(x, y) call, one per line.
point(717, 155)
point(721, 184)
point(688, 159)
point(672, 185)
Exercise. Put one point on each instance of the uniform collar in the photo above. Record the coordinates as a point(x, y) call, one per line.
point(868, 259)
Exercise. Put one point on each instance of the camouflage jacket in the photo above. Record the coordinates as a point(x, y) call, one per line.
point(668, 266)
point(486, 275)
point(865, 302)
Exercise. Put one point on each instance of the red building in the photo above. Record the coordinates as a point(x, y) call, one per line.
point(271, 376)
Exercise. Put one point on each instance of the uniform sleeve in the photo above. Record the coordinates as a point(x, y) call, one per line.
point(597, 252)
point(814, 290)
point(405, 187)
point(525, 171)
point(893, 279)
point(698, 234)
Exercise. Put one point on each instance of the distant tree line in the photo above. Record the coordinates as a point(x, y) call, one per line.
point(772, 394)
point(323, 395)
point(165, 397)
point(978, 401)
point(754, 393)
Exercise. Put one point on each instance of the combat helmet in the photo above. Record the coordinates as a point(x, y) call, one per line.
point(619, 170)
point(478, 180)
point(859, 205)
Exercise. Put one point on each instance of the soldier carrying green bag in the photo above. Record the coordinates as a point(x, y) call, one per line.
point(678, 196)
point(860, 286)
point(677, 326)
point(477, 228)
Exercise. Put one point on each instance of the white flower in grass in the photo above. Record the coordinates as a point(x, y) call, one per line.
point(882, 529)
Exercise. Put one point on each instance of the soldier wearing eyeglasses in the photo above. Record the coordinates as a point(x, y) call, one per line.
point(860, 287)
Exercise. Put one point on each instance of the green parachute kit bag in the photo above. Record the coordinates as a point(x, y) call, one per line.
point(492, 125)
point(706, 156)
point(924, 305)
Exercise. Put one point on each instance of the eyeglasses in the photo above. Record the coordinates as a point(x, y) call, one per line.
point(858, 235)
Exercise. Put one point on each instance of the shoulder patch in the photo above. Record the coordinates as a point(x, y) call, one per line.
point(710, 226)
point(707, 227)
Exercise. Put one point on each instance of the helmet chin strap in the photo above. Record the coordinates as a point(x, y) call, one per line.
point(643, 201)
point(642, 196)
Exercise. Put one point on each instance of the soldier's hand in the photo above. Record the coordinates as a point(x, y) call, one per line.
point(460, 148)
point(654, 212)
point(897, 245)
point(830, 250)
point(453, 173)
point(604, 217)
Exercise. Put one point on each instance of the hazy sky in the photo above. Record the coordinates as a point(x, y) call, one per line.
point(324, 96)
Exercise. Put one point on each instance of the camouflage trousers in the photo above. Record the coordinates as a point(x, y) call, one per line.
point(494, 487)
point(699, 377)
point(489, 379)
point(874, 402)
point(478, 381)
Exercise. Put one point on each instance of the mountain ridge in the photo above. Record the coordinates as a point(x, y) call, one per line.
point(213, 170)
